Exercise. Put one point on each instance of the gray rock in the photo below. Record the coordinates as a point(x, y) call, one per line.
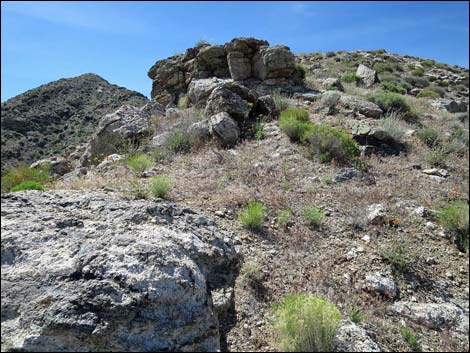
point(57, 165)
point(347, 175)
point(127, 275)
point(265, 107)
point(436, 316)
point(353, 338)
point(332, 84)
point(437, 172)
point(239, 66)
point(383, 285)
point(330, 99)
point(160, 140)
point(366, 108)
point(126, 125)
point(376, 214)
point(200, 130)
point(450, 105)
point(199, 90)
point(368, 76)
point(224, 100)
point(224, 128)
point(273, 62)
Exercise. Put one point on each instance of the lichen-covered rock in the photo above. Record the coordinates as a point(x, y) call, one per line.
point(126, 125)
point(332, 84)
point(265, 107)
point(239, 66)
point(224, 128)
point(368, 77)
point(91, 271)
point(200, 90)
point(223, 99)
point(273, 62)
point(368, 109)
point(375, 282)
point(450, 105)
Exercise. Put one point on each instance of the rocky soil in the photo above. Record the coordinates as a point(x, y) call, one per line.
point(97, 263)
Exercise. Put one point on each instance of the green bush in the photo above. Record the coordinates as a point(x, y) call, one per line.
point(429, 62)
point(391, 87)
point(139, 162)
point(439, 155)
point(330, 54)
point(253, 215)
point(180, 142)
point(160, 185)
point(350, 78)
point(416, 81)
point(454, 217)
point(304, 323)
point(399, 255)
point(328, 143)
point(17, 175)
point(28, 185)
point(260, 134)
point(443, 83)
point(390, 102)
point(429, 136)
point(356, 315)
point(252, 275)
point(428, 93)
point(299, 72)
point(280, 101)
point(183, 102)
point(410, 338)
point(313, 215)
point(392, 125)
point(283, 217)
point(418, 72)
point(293, 123)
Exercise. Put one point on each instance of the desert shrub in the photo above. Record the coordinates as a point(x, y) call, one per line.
point(419, 72)
point(356, 315)
point(463, 118)
point(460, 136)
point(304, 323)
point(179, 142)
point(330, 54)
point(299, 72)
point(253, 215)
point(416, 81)
point(183, 102)
point(438, 155)
point(429, 136)
point(28, 185)
point(443, 83)
point(283, 217)
point(428, 93)
point(294, 122)
point(410, 338)
point(429, 63)
point(138, 162)
point(399, 255)
point(387, 67)
point(392, 125)
point(390, 102)
point(350, 78)
point(328, 143)
point(252, 275)
point(260, 134)
point(280, 101)
point(391, 87)
point(17, 175)
point(313, 215)
point(454, 217)
point(202, 42)
point(160, 185)
point(137, 190)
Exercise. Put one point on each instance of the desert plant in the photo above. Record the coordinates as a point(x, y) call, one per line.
point(392, 125)
point(328, 143)
point(389, 101)
point(28, 185)
point(438, 155)
point(392, 87)
point(454, 217)
point(313, 215)
point(330, 54)
point(429, 136)
point(179, 142)
point(399, 254)
point(137, 190)
point(17, 175)
point(202, 42)
point(428, 93)
point(260, 134)
point(416, 81)
point(356, 315)
point(160, 185)
point(138, 162)
point(304, 323)
point(419, 71)
point(410, 338)
point(252, 275)
point(299, 72)
point(292, 123)
point(350, 78)
point(253, 215)
point(280, 101)
point(283, 217)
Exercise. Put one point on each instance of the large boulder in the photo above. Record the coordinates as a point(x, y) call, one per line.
point(224, 128)
point(199, 90)
point(239, 66)
point(273, 62)
point(450, 105)
point(368, 109)
point(223, 99)
point(128, 125)
point(93, 271)
point(368, 77)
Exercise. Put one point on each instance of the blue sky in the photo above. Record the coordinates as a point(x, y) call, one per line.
point(45, 41)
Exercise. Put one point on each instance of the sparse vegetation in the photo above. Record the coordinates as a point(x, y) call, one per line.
point(350, 78)
point(280, 101)
point(253, 215)
point(410, 338)
point(139, 162)
point(183, 102)
point(252, 275)
point(429, 136)
point(283, 217)
point(313, 215)
point(160, 185)
point(304, 323)
point(356, 315)
point(179, 142)
point(28, 185)
point(392, 87)
point(428, 93)
point(399, 254)
point(390, 102)
point(16, 176)
point(454, 217)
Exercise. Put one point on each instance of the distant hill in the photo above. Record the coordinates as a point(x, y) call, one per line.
point(53, 118)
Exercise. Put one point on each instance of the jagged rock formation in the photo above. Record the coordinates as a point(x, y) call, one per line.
point(91, 271)
point(248, 60)
point(53, 118)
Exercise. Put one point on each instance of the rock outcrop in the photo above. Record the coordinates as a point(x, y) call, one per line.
point(92, 271)
point(367, 76)
point(53, 118)
point(247, 60)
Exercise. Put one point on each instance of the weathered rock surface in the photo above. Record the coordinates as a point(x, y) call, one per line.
point(54, 118)
point(224, 100)
point(368, 77)
point(450, 105)
point(224, 128)
point(353, 338)
point(199, 90)
point(376, 282)
point(91, 271)
point(127, 125)
point(57, 165)
point(366, 108)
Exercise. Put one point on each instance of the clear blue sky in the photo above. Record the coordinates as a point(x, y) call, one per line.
point(45, 41)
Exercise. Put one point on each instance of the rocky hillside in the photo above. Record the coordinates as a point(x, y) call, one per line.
point(55, 117)
point(258, 189)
